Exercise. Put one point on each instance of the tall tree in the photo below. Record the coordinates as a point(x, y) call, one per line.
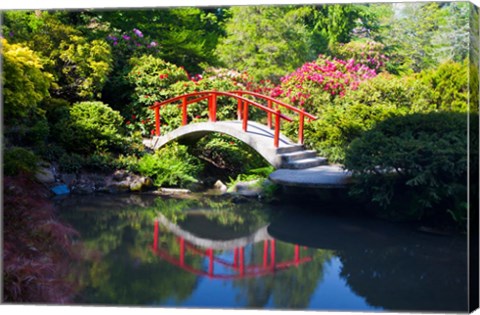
point(266, 41)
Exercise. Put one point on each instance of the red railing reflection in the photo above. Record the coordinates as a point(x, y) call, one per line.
point(238, 268)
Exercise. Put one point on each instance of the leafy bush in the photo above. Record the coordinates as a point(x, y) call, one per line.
point(348, 117)
point(71, 163)
point(79, 66)
point(25, 83)
point(152, 78)
point(170, 166)
point(369, 53)
point(90, 127)
point(414, 166)
point(227, 153)
point(18, 160)
point(449, 86)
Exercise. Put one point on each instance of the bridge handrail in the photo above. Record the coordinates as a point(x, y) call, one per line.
point(239, 97)
point(274, 100)
point(301, 113)
point(242, 110)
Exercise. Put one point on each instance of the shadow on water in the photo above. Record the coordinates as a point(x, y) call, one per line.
point(211, 252)
point(392, 266)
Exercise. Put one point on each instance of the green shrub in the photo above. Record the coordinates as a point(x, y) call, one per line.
point(25, 83)
point(414, 166)
point(51, 152)
point(71, 163)
point(90, 127)
point(170, 166)
point(369, 53)
point(228, 153)
point(18, 160)
point(99, 161)
point(449, 86)
point(350, 116)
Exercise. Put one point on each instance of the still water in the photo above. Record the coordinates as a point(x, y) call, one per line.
point(205, 251)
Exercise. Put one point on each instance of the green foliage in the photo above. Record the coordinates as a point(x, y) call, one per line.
point(449, 86)
point(423, 35)
point(25, 83)
point(84, 68)
point(228, 153)
point(346, 118)
point(51, 152)
point(266, 41)
point(91, 126)
point(152, 78)
point(369, 53)
point(170, 166)
point(80, 66)
point(187, 36)
point(71, 162)
point(414, 166)
point(333, 23)
point(17, 160)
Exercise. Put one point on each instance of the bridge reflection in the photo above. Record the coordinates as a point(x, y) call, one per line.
point(229, 254)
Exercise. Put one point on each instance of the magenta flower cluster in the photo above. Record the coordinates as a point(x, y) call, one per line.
point(334, 77)
point(133, 39)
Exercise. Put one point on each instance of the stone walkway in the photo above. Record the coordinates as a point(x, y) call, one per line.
point(324, 176)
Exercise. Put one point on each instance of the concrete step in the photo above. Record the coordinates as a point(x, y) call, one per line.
point(298, 155)
point(290, 148)
point(305, 163)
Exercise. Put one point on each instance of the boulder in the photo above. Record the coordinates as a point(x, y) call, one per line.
point(118, 187)
point(220, 186)
point(45, 175)
point(83, 189)
point(248, 189)
point(136, 185)
point(119, 175)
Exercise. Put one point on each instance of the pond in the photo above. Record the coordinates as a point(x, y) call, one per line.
point(210, 252)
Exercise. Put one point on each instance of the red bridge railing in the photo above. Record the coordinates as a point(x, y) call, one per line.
point(272, 109)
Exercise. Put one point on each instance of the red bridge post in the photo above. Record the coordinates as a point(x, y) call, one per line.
point(265, 254)
point(157, 121)
point(277, 129)
point(184, 111)
point(297, 255)
point(155, 235)
point(245, 116)
point(212, 107)
point(300, 127)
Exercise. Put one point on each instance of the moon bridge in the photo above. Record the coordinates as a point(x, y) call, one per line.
point(278, 150)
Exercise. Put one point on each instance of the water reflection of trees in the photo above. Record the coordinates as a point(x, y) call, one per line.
point(119, 267)
point(116, 235)
point(417, 276)
point(392, 267)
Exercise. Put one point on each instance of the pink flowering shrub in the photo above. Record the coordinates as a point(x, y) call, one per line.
point(371, 54)
point(317, 83)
